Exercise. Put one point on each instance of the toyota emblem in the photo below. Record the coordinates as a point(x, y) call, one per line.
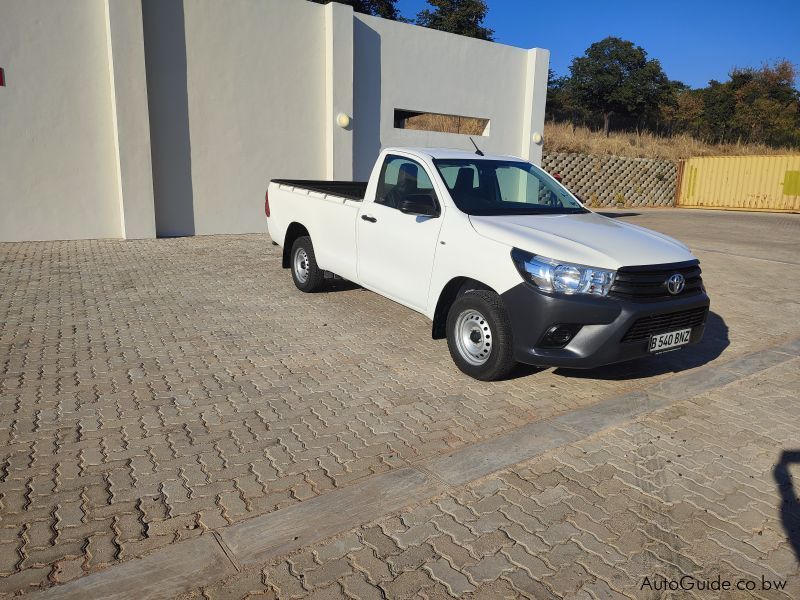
point(675, 284)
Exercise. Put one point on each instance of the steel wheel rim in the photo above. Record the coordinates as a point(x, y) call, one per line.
point(301, 266)
point(473, 337)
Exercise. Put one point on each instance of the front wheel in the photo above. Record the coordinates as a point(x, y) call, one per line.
point(307, 276)
point(479, 336)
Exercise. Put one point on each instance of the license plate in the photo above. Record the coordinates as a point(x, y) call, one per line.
point(672, 339)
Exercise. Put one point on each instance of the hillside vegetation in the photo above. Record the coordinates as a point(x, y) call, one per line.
point(616, 87)
point(562, 137)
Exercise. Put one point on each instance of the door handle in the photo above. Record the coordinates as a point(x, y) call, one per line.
point(370, 219)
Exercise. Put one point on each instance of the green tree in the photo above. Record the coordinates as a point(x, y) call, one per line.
point(766, 105)
point(754, 105)
point(615, 77)
point(378, 8)
point(464, 17)
point(685, 114)
point(562, 105)
point(719, 107)
point(662, 118)
point(554, 109)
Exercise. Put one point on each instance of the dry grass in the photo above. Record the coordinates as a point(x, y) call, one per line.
point(446, 123)
point(560, 137)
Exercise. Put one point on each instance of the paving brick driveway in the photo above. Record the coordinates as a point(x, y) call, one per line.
point(157, 390)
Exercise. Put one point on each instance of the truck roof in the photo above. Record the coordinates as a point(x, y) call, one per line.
point(453, 153)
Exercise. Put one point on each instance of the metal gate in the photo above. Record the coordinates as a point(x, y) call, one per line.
point(740, 183)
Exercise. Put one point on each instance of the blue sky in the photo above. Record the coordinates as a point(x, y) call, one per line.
point(695, 41)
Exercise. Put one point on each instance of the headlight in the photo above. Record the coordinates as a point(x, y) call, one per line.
point(555, 276)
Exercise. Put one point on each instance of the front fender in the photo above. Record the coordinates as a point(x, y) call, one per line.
point(462, 252)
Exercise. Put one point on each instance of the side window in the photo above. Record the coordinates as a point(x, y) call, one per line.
point(401, 177)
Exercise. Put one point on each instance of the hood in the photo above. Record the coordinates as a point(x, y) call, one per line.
point(587, 239)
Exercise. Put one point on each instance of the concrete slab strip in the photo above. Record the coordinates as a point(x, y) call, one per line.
point(699, 381)
point(791, 347)
point(163, 574)
point(259, 539)
point(597, 417)
point(484, 458)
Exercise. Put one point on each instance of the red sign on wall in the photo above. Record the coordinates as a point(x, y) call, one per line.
point(2, 77)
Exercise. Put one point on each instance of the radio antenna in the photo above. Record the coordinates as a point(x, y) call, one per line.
point(477, 150)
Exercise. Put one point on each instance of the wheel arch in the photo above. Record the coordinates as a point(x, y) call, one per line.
point(452, 290)
point(294, 231)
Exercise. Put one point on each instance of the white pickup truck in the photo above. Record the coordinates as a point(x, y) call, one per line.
point(506, 262)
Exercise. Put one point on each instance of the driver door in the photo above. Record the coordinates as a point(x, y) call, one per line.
point(395, 249)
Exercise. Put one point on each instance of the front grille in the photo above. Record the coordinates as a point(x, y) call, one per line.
point(649, 283)
point(643, 328)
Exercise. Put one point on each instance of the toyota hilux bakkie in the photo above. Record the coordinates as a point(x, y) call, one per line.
point(505, 261)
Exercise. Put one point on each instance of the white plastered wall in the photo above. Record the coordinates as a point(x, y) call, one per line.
point(127, 118)
point(58, 174)
point(338, 91)
point(130, 118)
point(256, 96)
point(399, 66)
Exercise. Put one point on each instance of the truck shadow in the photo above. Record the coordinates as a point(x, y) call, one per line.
point(339, 285)
point(790, 503)
point(618, 215)
point(715, 340)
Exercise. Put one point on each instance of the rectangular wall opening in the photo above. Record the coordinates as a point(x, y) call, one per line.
point(426, 121)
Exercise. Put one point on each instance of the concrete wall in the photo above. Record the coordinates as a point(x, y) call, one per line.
point(237, 96)
point(131, 118)
point(58, 174)
point(168, 116)
point(399, 66)
point(339, 69)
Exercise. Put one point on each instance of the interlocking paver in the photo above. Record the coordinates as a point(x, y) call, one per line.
point(535, 567)
point(408, 584)
point(284, 581)
point(657, 533)
point(410, 559)
point(355, 586)
point(328, 572)
point(457, 584)
point(156, 389)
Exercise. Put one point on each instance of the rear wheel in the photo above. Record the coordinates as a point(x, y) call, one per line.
point(307, 276)
point(479, 336)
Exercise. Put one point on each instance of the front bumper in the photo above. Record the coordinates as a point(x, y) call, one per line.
point(604, 322)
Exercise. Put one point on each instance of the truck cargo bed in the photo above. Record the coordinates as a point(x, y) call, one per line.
point(352, 190)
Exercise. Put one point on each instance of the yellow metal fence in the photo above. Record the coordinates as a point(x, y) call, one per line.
point(740, 182)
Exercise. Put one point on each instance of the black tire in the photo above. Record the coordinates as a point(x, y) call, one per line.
point(311, 278)
point(492, 356)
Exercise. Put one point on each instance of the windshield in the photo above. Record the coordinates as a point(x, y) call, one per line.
point(504, 187)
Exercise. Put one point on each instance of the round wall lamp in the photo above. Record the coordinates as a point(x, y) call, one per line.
point(342, 120)
point(537, 138)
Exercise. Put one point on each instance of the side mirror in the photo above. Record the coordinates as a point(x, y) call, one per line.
point(419, 204)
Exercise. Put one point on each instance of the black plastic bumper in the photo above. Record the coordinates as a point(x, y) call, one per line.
point(604, 322)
